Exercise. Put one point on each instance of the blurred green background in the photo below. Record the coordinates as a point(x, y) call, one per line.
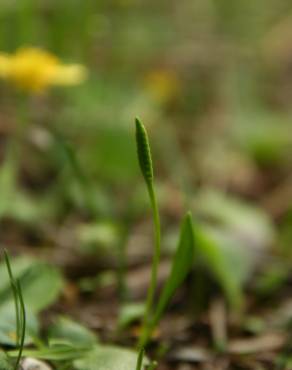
point(211, 80)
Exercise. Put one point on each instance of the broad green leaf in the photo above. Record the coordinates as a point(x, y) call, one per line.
point(234, 252)
point(73, 332)
point(108, 358)
point(41, 286)
point(182, 263)
point(8, 326)
point(20, 265)
point(232, 239)
point(8, 321)
point(208, 250)
point(41, 283)
point(242, 220)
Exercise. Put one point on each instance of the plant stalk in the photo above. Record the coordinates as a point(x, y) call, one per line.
point(147, 327)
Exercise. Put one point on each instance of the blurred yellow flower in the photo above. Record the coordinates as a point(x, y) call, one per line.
point(35, 70)
point(162, 85)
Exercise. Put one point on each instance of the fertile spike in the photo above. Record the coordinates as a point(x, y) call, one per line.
point(144, 153)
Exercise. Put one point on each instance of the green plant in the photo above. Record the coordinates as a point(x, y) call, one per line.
point(183, 258)
point(145, 161)
point(87, 355)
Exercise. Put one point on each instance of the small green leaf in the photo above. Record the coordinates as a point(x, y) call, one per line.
point(58, 352)
point(108, 358)
point(182, 263)
point(144, 153)
point(130, 312)
point(73, 332)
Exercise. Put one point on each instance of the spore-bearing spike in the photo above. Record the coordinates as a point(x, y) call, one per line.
point(144, 153)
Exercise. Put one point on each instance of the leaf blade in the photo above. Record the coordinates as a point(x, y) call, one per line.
point(182, 263)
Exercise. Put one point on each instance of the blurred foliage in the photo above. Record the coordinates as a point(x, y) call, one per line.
point(212, 81)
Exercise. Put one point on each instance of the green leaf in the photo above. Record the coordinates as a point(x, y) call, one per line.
point(232, 239)
point(209, 251)
point(41, 283)
point(182, 263)
point(41, 286)
point(242, 220)
point(8, 322)
point(55, 352)
point(130, 312)
point(20, 265)
point(73, 332)
point(108, 358)
point(8, 326)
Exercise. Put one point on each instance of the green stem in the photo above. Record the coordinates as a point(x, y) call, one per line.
point(140, 359)
point(147, 327)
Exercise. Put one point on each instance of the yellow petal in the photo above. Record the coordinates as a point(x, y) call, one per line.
point(35, 70)
point(32, 69)
point(72, 74)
